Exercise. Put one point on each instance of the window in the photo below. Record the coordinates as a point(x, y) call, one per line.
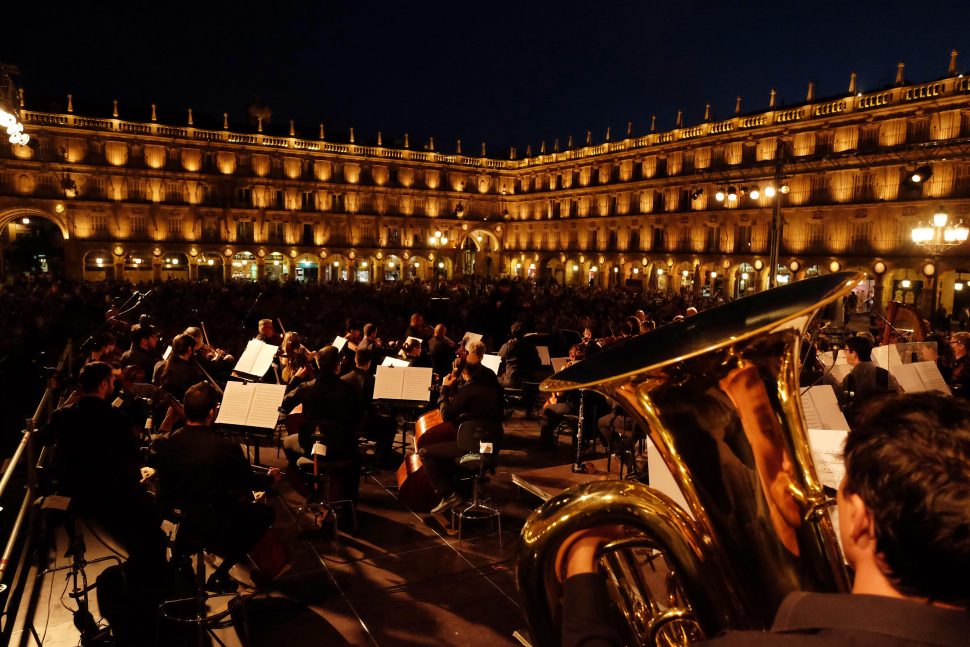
point(308, 202)
point(244, 232)
point(275, 233)
point(308, 237)
point(634, 243)
point(244, 197)
point(139, 225)
point(174, 228)
point(99, 224)
point(861, 232)
point(742, 239)
point(712, 239)
point(594, 239)
point(279, 200)
point(658, 243)
point(612, 241)
point(210, 230)
point(393, 237)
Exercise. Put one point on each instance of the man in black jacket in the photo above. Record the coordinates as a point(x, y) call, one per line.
point(374, 426)
point(96, 462)
point(206, 476)
point(904, 514)
point(479, 398)
point(327, 399)
point(143, 352)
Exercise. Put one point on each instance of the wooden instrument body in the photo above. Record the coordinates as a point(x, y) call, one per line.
point(413, 485)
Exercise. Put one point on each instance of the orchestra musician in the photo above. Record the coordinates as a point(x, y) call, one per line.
point(96, 462)
point(353, 333)
point(267, 333)
point(960, 374)
point(559, 406)
point(441, 350)
point(415, 355)
point(206, 476)
point(178, 372)
point(214, 361)
point(519, 358)
point(327, 398)
point(418, 328)
point(296, 361)
point(375, 426)
point(143, 352)
point(478, 398)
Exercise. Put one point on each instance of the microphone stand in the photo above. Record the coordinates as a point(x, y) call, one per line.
point(242, 323)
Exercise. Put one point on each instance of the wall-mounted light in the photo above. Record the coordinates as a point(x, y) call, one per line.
point(755, 192)
point(835, 266)
point(921, 174)
point(770, 191)
point(905, 284)
point(719, 195)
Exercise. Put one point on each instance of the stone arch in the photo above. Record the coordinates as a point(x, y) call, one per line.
point(8, 215)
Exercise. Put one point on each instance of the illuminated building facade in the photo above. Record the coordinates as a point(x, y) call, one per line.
point(839, 183)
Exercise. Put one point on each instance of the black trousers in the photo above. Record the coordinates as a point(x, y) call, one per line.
point(439, 461)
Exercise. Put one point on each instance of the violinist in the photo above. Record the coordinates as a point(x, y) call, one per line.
point(267, 333)
point(415, 356)
point(100, 348)
point(178, 372)
point(418, 328)
point(296, 361)
point(214, 361)
point(354, 335)
point(441, 350)
point(520, 358)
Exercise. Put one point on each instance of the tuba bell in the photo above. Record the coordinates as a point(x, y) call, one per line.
point(718, 396)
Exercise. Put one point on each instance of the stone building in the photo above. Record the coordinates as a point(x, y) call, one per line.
point(722, 207)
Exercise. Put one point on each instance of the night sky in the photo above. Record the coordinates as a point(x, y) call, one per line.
point(511, 73)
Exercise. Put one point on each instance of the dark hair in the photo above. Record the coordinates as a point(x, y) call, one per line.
point(198, 401)
point(140, 332)
point(327, 359)
point(472, 369)
point(908, 458)
point(517, 331)
point(92, 375)
point(363, 357)
point(861, 347)
point(369, 329)
point(182, 343)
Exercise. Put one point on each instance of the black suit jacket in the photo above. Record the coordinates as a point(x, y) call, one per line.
point(328, 399)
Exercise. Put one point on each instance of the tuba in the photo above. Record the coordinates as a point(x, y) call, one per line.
point(719, 398)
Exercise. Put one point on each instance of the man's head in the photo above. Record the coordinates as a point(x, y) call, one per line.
point(195, 333)
point(472, 370)
point(440, 331)
point(183, 346)
point(200, 403)
point(144, 336)
point(328, 359)
point(370, 331)
point(476, 350)
point(416, 320)
point(904, 506)
point(412, 348)
point(960, 343)
point(97, 379)
point(641, 315)
point(858, 349)
point(266, 328)
point(363, 358)
point(353, 331)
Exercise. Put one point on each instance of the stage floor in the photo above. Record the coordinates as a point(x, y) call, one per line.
point(399, 580)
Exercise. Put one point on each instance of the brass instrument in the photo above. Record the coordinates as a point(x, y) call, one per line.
point(718, 395)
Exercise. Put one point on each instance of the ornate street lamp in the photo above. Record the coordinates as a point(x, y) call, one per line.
point(938, 237)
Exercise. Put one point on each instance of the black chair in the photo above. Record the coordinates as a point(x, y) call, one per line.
point(475, 462)
point(328, 462)
point(194, 609)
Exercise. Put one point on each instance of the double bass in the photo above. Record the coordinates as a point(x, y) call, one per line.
point(413, 485)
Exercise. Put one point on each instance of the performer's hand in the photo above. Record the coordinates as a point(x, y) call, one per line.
point(577, 554)
point(274, 473)
point(448, 380)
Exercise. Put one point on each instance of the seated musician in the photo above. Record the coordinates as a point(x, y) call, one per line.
point(903, 519)
point(143, 353)
point(206, 476)
point(353, 333)
point(477, 399)
point(559, 406)
point(379, 428)
point(327, 398)
point(215, 361)
point(867, 381)
point(178, 372)
point(100, 348)
point(519, 358)
point(418, 328)
point(96, 463)
point(267, 333)
point(441, 350)
point(415, 356)
point(960, 373)
point(295, 361)
point(372, 342)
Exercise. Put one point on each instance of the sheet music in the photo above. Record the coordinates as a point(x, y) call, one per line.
point(393, 361)
point(235, 404)
point(827, 447)
point(822, 410)
point(265, 408)
point(933, 380)
point(908, 378)
point(410, 339)
point(389, 383)
point(416, 384)
point(544, 358)
point(558, 363)
point(886, 357)
point(492, 362)
point(257, 358)
point(839, 371)
point(339, 343)
point(251, 405)
point(167, 353)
